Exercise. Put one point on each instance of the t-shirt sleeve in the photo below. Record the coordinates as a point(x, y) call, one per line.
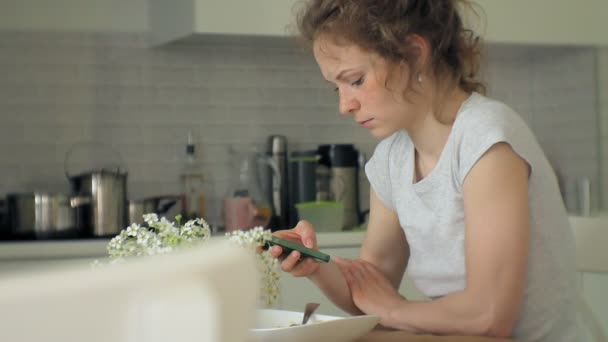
point(377, 170)
point(486, 127)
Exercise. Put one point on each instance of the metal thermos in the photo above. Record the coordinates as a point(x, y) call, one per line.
point(343, 163)
point(303, 169)
point(277, 150)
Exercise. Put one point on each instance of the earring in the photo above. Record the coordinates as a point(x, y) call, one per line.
point(419, 77)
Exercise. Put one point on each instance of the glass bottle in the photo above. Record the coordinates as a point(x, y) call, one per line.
point(191, 180)
point(245, 205)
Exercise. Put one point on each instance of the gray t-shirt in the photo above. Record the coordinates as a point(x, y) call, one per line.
point(431, 213)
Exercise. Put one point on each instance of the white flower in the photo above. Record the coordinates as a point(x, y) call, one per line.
point(132, 229)
point(150, 219)
point(160, 236)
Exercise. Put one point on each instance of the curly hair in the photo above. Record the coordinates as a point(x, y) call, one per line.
point(384, 26)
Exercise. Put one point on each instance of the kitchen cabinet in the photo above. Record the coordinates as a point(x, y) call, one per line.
point(513, 21)
point(74, 15)
point(171, 20)
point(544, 21)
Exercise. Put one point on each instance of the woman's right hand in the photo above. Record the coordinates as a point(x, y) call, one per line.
point(304, 234)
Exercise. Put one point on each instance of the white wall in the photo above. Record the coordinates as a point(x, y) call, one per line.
point(547, 21)
point(77, 15)
point(60, 89)
point(602, 76)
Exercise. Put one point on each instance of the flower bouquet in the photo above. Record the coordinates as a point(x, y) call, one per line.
point(159, 236)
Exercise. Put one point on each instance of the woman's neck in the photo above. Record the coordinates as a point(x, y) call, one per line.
point(430, 135)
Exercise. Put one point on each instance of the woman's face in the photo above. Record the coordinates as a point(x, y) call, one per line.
point(359, 78)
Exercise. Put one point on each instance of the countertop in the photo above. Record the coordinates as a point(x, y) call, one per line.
point(584, 228)
point(402, 336)
point(96, 248)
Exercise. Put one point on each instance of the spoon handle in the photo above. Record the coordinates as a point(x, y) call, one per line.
point(308, 311)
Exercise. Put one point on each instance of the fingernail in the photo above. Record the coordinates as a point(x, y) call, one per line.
point(308, 243)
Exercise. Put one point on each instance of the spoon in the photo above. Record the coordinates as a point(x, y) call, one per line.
point(308, 311)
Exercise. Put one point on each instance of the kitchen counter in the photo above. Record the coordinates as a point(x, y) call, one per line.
point(402, 336)
point(52, 249)
point(96, 248)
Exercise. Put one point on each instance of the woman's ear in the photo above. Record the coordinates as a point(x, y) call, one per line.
point(422, 49)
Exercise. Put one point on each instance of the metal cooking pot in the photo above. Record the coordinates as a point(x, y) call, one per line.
point(100, 201)
point(159, 205)
point(40, 214)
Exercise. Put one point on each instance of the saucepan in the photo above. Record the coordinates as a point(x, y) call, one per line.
point(100, 197)
point(40, 214)
point(159, 205)
point(98, 183)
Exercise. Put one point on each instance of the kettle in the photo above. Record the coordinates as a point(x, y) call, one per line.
point(245, 204)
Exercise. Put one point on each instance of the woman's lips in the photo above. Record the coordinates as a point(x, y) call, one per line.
point(366, 123)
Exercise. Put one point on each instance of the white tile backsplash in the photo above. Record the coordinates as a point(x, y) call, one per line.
point(602, 76)
point(61, 89)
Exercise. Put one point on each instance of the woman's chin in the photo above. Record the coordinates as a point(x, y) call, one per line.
point(380, 134)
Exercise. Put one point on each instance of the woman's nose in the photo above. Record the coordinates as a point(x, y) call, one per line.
point(348, 104)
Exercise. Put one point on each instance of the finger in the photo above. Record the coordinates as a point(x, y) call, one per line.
point(290, 261)
point(348, 277)
point(276, 251)
point(307, 234)
point(342, 266)
point(340, 261)
point(354, 284)
point(373, 272)
point(369, 267)
point(288, 234)
point(360, 272)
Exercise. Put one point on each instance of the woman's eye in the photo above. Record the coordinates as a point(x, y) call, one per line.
point(358, 82)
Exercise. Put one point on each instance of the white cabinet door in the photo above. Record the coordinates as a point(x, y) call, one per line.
point(170, 20)
point(545, 21)
point(296, 292)
point(594, 287)
point(74, 15)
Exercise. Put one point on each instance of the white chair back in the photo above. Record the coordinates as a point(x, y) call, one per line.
point(591, 235)
point(207, 293)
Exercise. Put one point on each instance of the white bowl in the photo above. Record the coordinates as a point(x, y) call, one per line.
point(281, 325)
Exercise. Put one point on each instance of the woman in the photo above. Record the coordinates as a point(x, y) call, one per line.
point(462, 195)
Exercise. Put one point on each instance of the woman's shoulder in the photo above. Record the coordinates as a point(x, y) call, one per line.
point(480, 110)
point(482, 118)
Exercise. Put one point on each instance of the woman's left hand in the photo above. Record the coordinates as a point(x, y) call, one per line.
point(371, 291)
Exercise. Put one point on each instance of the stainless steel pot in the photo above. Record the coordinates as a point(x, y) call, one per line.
point(159, 205)
point(39, 214)
point(106, 214)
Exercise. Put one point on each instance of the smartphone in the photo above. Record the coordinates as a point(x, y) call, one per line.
point(289, 246)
